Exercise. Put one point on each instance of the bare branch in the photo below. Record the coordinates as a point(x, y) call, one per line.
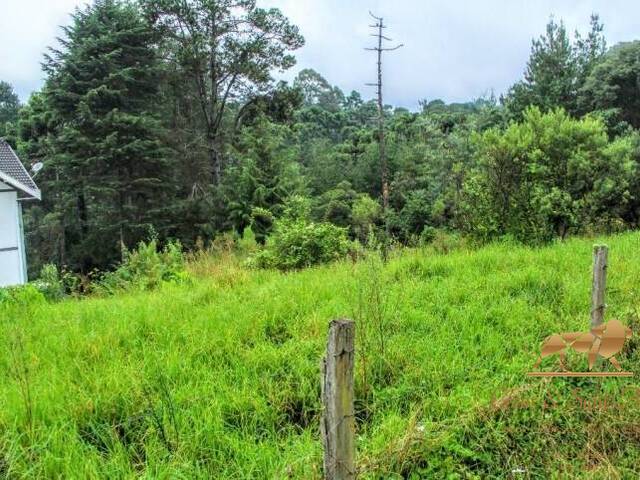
point(392, 49)
point(384, 168)
point(381, 36)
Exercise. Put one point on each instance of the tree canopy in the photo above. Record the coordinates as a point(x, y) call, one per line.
point(613, 87)
point(161, 118)
point(9, 107)
point(557, 69)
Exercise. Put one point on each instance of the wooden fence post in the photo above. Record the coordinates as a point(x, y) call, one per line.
point(600, 259)
point(338, 422)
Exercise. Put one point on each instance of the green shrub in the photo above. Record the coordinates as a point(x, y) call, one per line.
point(297, 207)
point(224, 243)
point(297, 244)
point(145, 268)
point(55, 284)
point(22, 295)
point(366, 214)
point(50, 283)
point(247, 243)
point(428, 235)
point(444, 242)
point(261, 223)
point(547, 177)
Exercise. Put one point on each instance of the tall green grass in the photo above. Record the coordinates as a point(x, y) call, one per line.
point(219, 378)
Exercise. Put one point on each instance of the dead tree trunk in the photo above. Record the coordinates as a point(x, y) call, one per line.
point(384, 167)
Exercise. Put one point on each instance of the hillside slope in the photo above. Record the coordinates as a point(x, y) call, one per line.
point(220, 378)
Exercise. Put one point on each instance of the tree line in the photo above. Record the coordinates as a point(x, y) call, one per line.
point(162, 118)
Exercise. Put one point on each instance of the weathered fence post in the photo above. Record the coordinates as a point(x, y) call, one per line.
point(338, 422)
point(600, 259)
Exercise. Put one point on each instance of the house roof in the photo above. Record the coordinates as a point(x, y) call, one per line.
point(13, 173)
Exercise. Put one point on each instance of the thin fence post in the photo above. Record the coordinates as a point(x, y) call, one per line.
point(600, 259)
point(338, 422)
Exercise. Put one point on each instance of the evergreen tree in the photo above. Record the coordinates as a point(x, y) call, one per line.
point(108, 175)
point(549, 79)
point(556, 70)
point(9, 107)
point(613, 87)
point(590, 50)
point(263, 177)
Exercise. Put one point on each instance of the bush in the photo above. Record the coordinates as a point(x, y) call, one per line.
point(547, 177)
point(22, 295)
point(428, 235)
point(297, 244)
point(445, 242)
point(55, 284)
point(261, 223)
point(50, 284)
point(247, 243)
point(223, 243)
point(145, 268)
point(366, 214)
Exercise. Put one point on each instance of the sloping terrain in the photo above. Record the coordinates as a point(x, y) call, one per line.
point(219, 377)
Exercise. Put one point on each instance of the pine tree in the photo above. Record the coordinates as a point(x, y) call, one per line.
point(557, 69)
point(263, 177)
point(108, 171)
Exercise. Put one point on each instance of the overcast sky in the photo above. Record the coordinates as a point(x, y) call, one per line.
point(454, 49)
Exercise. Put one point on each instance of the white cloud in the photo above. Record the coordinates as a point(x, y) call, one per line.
point(27, 28)
point(455, 50)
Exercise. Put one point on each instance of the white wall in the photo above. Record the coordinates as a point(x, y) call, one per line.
point(11, 268)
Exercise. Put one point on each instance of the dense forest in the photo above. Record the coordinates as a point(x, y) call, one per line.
point(162, 118)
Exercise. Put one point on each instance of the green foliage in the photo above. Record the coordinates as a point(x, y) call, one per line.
point(278, 105)
point(297, 244)
point(366, 214)
point(613, 87)
point(21, 296)
point(297, 208)
point(164, 115)
point(9, 108)
point(432, 156)
point(145, 268)
point(220, 61)
point(264, 175)
point(547, 176)
point(336, 205)
point(317, 91)
point(55, 284)
point(108, 176)
point(428, 235)
point(247, 243)
point(261, 223)
point(444, 242)
point(50, 283)
point(556, 69)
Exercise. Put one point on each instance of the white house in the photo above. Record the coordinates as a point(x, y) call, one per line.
point(16, 185)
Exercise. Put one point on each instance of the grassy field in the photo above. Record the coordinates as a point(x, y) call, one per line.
point(219, 378)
